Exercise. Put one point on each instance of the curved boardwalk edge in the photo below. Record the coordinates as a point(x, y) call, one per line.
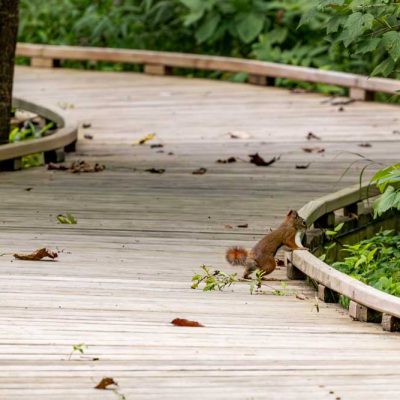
point(66, 134)
point(158, 62)
point(362, 295)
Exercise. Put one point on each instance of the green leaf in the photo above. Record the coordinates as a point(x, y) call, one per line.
point(249, 26)
point(207, 28)
point(355, 26)
point(368, 45)
point(385, 68)
point(386, 201)
point(391, 42)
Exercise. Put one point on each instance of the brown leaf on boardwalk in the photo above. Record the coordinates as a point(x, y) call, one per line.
point(156, 146)
point(313, 149)
point(227, 226)
point(83, 166)
point(37, 255)
point(256, 159)
point(77, 167)
point(155, 170)
point(300, 296)
point(186, 322)
point(311, 136)
point(229, 160)
point(280, 263)
point(243, 226)
point(302, 166)
point(88, 136)
point(365, 144)
point(105, 383)
point(200, 171)
point(86, 125)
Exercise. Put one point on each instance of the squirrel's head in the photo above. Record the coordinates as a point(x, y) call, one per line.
point(296, 220)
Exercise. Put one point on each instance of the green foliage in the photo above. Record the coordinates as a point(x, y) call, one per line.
point(366, 28)
point(388, 182)
point(375, 261)
point(81, 348)
point(213, 280)
point(30, 131)
point(256, 281)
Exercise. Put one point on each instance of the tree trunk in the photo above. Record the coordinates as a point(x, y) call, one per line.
point(8, 40)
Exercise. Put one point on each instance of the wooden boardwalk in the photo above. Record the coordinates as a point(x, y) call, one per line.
point(125, 268)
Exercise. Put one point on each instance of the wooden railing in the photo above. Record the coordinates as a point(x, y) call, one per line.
point(367, 303)
point(64, 138)
point(160, 63)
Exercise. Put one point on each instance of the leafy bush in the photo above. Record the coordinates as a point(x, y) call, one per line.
point(388, 182)
point(375, 261)
point(365, 29)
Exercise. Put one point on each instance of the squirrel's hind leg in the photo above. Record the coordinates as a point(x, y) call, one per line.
point(268, 266)
point(250, 267)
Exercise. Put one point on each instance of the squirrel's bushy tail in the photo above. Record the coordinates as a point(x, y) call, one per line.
point(236, 255)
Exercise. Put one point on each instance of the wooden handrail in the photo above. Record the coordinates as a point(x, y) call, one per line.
point(65, 135)
point(205, 62)
point(329, 277)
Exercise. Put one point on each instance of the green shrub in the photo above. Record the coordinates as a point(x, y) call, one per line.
point(375, 261)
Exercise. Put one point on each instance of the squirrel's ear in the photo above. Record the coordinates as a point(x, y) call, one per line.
point(292, 213)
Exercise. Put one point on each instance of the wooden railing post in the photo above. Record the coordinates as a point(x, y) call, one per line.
point(157, 69)
point(361, 94)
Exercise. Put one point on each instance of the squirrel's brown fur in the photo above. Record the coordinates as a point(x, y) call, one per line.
point(262, 255)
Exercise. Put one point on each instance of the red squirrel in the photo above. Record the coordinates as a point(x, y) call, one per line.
point(262, 255)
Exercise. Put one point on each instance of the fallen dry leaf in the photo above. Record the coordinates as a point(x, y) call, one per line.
point(302, 166)
point(229, 160)
point(145, 139)
point(171, 153)
point(311, 136)
point(156, 146)
point(105, 383)
point(155, 170)
point(88, 136)
point(185, 322)
point(365, 144)
point(243, 226)
point(300, 296)
point(200, 171)
point(313, 149)
point(37, 255)
point(280, 262)
point(341, 109)
point(227, 226)
point(28, 189)
point(77, 167)
point(84, 166)
point(86, 125)
point(239, 135)
point(256, 159)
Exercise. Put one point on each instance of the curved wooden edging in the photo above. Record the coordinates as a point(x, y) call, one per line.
point(331, 278)
point(65, 135)
point(44, 55)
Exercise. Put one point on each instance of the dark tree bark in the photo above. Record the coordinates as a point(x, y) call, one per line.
point(8, 40)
